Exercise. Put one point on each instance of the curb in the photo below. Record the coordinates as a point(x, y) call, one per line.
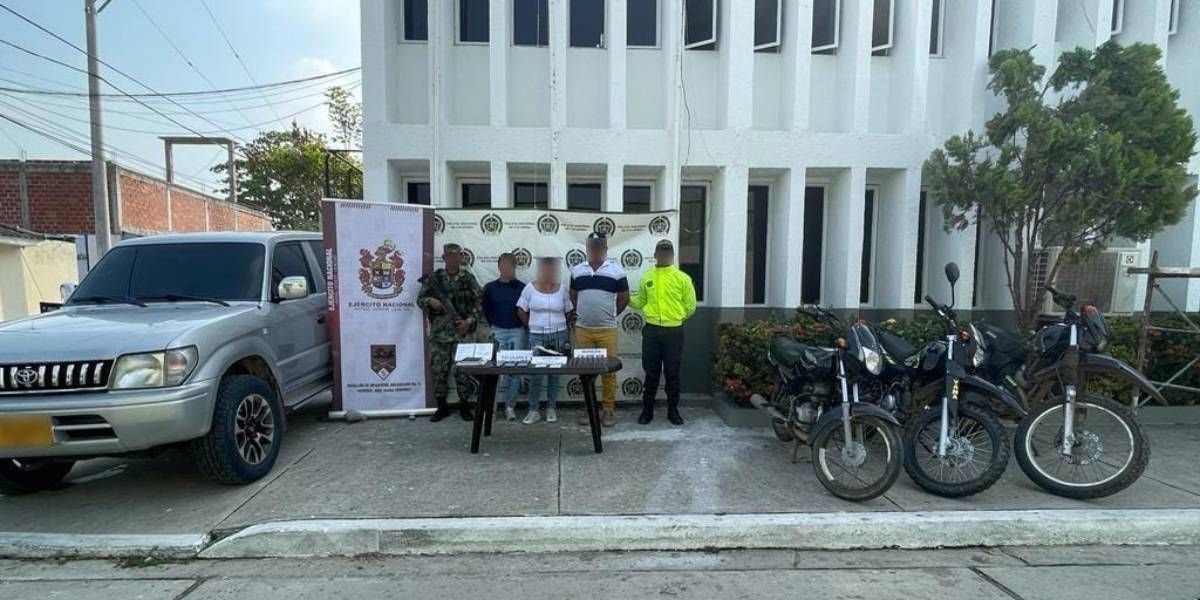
point(809, 531)
point(69, 545)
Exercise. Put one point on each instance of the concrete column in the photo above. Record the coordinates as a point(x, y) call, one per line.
point(844, 238)
point(786, 245)
point(498, 64)
point(853, 83)
point(378, 22)
point(898, 209)
point(797, 65)
point(727, 235)
point(558, 185)
point(614, 40)
point(738, 54)
point(440, 36)
point(1147, 21)
point(910, 61)
point(614, 188)
point(1045, 21)
point(671, 12)
point(499, 184)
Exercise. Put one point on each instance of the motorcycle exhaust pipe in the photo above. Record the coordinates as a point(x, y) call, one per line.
point(757, 401)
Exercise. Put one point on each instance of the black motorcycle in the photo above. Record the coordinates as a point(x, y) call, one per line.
point(953, 445)
point(856, 446)
point(1073, 444)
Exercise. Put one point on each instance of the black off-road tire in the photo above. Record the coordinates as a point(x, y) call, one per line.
point(18, 476)
point(879, 486)
point(1133, 471)
point(216, 453)
point(997, 436)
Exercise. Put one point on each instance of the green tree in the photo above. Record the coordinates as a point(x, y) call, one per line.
point(283, 174)
point(1097, 150)
point(346, 117)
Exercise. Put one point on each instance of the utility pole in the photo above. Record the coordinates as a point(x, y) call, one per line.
point(99, 168)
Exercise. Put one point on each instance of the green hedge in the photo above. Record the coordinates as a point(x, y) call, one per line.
point(741, 368)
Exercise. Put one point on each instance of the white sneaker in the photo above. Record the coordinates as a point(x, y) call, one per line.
point(551, 416)
point(510, 413)
point(533, 417)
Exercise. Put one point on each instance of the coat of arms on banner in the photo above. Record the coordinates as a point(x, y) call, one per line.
point(547, 224)
point(604, 226)
point(491, 224)
point(631, 259)
point(573, 257)
point(659, 225)
point(383, 359)
point(523, 257)
point(381, 273)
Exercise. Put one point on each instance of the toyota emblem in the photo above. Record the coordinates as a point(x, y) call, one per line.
point(25, 377)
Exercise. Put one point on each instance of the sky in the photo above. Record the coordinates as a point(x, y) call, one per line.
point(278, 40)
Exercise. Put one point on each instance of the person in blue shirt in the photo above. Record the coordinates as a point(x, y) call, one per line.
point(500, 309)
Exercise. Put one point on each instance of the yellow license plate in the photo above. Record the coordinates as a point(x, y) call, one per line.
point(26, 432)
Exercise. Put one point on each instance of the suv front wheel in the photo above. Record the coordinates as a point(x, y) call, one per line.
point(247, 431)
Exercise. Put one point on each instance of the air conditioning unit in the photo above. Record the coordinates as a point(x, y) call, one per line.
point(1103, 280)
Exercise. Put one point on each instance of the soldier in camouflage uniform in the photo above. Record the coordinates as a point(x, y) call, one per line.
point(449, 325)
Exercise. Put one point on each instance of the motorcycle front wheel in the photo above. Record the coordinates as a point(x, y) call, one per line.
point(1109, 453)
point(976, 455)
point(862, 469)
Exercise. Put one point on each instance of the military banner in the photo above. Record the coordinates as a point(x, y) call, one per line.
point(529, 234)
point(375, 254)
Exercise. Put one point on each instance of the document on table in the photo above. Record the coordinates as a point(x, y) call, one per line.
point(549, 361)
point(473, 353)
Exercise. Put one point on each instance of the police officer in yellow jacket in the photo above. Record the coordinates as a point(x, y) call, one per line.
point(666, 298)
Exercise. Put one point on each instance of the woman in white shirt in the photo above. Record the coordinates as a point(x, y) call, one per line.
point(545, 306)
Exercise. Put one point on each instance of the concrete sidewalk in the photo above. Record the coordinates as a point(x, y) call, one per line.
point(411, 469)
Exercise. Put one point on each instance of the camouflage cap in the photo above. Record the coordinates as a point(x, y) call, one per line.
point(451, 248)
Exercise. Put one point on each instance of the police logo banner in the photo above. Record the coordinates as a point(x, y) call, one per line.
point(530, 234)
point(374, 255)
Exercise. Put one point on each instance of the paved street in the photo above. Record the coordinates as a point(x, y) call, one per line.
point(1068, 573)
point(400, 469)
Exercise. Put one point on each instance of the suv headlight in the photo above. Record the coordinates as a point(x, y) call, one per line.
point(168, 368)
point(872, 361)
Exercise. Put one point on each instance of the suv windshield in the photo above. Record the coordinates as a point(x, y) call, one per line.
point(221, 271)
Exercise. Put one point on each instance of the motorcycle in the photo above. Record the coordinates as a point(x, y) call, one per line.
point(953, 445)
point(1073, 444)
point(856, 445)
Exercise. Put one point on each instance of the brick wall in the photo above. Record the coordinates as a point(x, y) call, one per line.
point(60, 199)
point(10, 199)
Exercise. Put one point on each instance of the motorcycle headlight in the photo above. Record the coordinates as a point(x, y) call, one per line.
point(168, 368)
point(872, 361)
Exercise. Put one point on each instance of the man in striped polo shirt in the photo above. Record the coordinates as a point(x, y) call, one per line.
point(600, 292)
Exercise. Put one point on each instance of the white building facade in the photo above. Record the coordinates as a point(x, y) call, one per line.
point(790, 134)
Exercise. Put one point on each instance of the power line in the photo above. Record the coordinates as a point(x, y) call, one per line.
point(229, 44)
point(183, 56)
point(165, 95)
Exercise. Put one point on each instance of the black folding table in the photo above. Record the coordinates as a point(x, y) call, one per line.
point(586, 368)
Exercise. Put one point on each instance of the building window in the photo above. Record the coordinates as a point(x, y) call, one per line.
point(937, 28)
point(812, 245)
point(868, 254)
point(768, 19)
point(992, 31)
point(587, 23)
point(527, 194)
point(583, 196)
point(826, 24)
point(693, 210)
point(476, 195)
point(1118, 16)
point(919, 289)
point(641, 23)
point(700, 24)
point(1173, 18)
point(756, 244)
point(417, 193)
point(416, 20)
point(637, 198)
point(531, 22)
point(473, 21)
point(882, 26)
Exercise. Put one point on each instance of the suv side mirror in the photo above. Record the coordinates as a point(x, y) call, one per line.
point(66, 289)
point(292, 288)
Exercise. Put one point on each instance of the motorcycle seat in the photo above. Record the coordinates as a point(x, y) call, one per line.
point(790, 353)
point(895, 345)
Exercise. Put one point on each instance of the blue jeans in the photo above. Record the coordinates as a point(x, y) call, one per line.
point(556, 340)
point(510, 339)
